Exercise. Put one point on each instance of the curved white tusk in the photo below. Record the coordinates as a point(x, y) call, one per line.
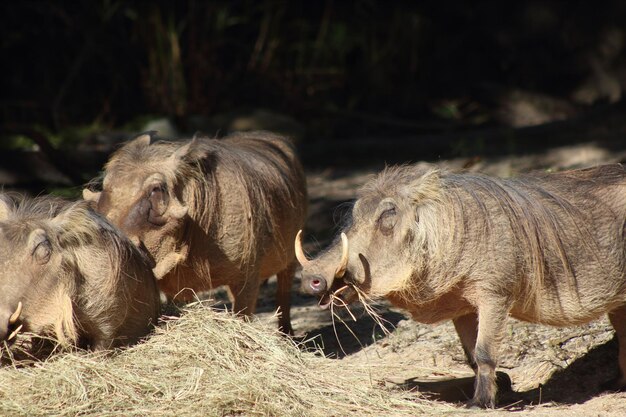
point(343, 264)
point(16, 314)
point(300, 256)
point(15, 332)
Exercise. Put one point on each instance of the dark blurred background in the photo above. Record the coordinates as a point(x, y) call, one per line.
point(351, 81)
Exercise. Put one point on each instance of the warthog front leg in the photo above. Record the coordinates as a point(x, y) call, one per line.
point(245, 296)
point(283, 298)
point(491, 323)
point(467, 328)
point(618, 320)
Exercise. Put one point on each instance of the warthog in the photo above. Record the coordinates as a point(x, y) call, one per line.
point(67, 273)
point(211, 212)
point(544, 248)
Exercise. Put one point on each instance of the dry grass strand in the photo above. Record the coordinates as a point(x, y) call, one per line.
point(203, 363)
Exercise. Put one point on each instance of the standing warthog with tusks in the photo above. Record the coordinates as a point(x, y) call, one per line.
point(211, 212)
point(67, 273)
point(544, 248)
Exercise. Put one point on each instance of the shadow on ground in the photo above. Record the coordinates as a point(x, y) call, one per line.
point(582, 380)
point(337, 340)
point(345, 336)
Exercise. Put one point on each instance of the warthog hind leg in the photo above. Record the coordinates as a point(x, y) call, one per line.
point(618, 320)
point(467, 328)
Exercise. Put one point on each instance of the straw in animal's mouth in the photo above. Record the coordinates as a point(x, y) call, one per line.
point(338, 297)
point(326, 300)
point(342, 297)
point(366, 301)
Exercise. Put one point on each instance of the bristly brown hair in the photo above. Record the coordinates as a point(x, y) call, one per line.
point(72, 226)
point(260, 174)
point(456, 211)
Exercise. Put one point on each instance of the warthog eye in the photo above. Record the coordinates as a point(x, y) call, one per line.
point(157, 189)
point(158, 200)
point(42, 252)
point(387, 220)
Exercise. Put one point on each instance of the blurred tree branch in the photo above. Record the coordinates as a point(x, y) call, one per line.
point(59, 159)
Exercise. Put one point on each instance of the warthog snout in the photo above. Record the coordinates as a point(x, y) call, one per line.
point(4, 323)
point(314, 284)
point(10, 322)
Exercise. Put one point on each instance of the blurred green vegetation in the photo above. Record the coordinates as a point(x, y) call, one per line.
point(67, 136)
point(341, 68)
point(70, 193)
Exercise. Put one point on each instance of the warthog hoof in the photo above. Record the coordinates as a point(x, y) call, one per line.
point(504, 384)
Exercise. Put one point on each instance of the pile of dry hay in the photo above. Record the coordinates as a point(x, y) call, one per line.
point(203, 363)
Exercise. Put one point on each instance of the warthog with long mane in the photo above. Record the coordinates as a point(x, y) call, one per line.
point(544, 248)
point(211, 212)
point(67, 273)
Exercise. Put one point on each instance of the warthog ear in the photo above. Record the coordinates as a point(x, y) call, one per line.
point(184, 150)
point(189, 151)
point(91, 196)
point(142, 140)
point(5, 208)
point(425, 187)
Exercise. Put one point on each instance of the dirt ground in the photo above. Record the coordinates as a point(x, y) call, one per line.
point(551, 371)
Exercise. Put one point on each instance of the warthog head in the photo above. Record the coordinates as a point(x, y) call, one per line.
point(29, 255)
point(141, 195)
point(376, 252)
point(65, 272)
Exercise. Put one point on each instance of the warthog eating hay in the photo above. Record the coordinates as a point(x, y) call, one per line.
point(211, 212)
point(544, 248)
point(68, 274)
